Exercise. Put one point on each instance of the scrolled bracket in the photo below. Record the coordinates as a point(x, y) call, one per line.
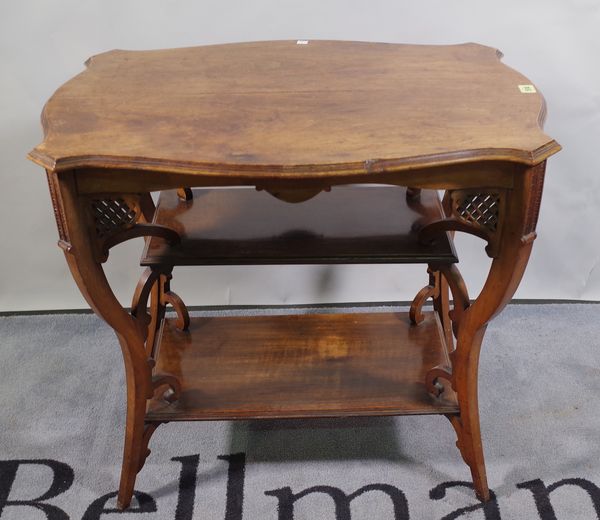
point(155, 284)
point(416, 308)
point(460, 294)
point(139, 304)
point(171, 393)
point(136, 231)
point(431, 290)
point(432, 379)
point(185, 194)
point(114, 219)
point(415, 203)
point(478, 212)
point(183, 316)
point(458, 288)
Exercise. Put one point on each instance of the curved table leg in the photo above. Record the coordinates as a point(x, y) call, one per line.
point(514, 247)
point(509, 234)
point(510, 239)
point(83, 251)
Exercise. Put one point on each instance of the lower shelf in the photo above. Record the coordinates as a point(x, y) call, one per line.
point(315, 365)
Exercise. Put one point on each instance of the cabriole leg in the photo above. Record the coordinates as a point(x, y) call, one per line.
point(88, 227)
point(506, 219)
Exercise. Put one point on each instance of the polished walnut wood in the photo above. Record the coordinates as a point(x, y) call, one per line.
point(296, 121)
point(280, 108)
point(318, 365)
point(346, 225)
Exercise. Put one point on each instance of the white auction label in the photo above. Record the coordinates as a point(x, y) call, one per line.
point(527, 89)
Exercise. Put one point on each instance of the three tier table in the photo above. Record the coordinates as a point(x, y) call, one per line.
point(297, 152)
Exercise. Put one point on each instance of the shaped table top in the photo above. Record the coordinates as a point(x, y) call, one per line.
point(294, 108)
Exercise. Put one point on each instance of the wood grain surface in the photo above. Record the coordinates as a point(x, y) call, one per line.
point(278, 108)
point(314, 365)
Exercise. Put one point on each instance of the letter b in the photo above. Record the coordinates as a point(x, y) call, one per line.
point(61, 481)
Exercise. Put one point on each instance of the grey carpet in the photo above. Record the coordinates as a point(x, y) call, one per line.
point(62, 387)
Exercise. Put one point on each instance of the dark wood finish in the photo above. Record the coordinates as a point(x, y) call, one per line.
point(316, 365)
point(295, 121)
point(346, 225)
point(269, 108)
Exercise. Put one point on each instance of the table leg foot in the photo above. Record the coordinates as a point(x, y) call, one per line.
point(137, 438)
point(509, 231)
point(134, 448)
point(470, 447)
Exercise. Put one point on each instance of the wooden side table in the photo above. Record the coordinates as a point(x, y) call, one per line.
point(298, 121)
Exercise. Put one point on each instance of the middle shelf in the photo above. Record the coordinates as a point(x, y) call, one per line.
point(349, 224)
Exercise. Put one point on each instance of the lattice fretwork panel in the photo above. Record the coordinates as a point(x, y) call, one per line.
point(111, 215)
point(480, 208)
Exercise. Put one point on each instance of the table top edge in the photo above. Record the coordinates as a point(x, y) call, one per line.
point(368, 166)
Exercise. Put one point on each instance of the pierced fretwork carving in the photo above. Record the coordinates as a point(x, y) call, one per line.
point(111, 215)
point(482, 212)
point(115, 219)
point(480, 208)
point(477, 212)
